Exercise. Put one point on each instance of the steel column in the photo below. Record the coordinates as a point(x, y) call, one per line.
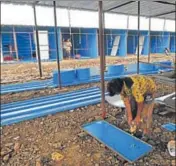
point(149, 47)
point(15, 43)
point(37, 42)
point(104, 57)
point(69, 20)
point(101, 51)
point(175, 37)
point(57, 47)
point(70, 29)
point(1, 54)
point(128, 18)
point(138, 37)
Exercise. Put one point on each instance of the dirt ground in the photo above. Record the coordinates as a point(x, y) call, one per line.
point(23, 72)
point(31, 143)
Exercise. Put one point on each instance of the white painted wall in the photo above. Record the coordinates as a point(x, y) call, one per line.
point(16, 15)
point(62, 17)
point(133, 22)
point(115, 21)
point(144, 23)
point(85, 19)
point(45, 16)
point(23, 15)
point(157, 24)
point(170, 26)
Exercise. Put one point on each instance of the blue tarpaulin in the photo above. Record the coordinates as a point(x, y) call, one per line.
point(126, 145)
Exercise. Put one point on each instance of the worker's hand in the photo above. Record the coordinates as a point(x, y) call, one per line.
point(130, 121)
point(133, 127)
point(137, 120)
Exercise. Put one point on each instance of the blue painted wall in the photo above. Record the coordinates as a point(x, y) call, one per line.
point(52, 43)
point(159, 41)
point(84, 44)
point(166, 41)
point(172, 43)
point(109, 40)
point(145, 50)
point(122, 45)
point(7, 39)
point(23, 42)
point(23, 35)
point(132, 41)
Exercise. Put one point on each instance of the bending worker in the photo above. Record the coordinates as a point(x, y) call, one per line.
point(137, 92)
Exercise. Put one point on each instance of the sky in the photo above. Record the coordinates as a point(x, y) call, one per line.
point(23, 15)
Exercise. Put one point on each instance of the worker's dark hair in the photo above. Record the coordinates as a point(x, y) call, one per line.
point(115, 86)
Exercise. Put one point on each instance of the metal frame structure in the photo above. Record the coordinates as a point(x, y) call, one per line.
point(102, 59)
point(57, 47)
point(37, 41)
point(138, 37)
point(103, 108)
point(101, 35)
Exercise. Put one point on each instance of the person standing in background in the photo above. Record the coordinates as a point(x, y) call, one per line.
point(67, 47)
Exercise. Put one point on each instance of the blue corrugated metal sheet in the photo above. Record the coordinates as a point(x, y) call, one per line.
point(30, 109)
point(169, 126)
point(34, 85)
point(172, 43)
point(124, 144)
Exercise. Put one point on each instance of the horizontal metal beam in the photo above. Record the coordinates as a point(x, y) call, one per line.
point(162, 14)
point(124, 4)
point(165, 3)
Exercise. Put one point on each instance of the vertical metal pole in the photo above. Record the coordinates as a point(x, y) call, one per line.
point(127, 35)
point(101, 51)
point(57, 47)
point(73, 47)
point(138, 37)
point(70, 30)
point(30, 43)
point(1, 54)
point(156, 44)
point(37, 42)
point(15, 43)
point(107, 48)
point(69, 20)
point(175, 38)
point(149, 47)
point(104, 58)
point(162, 39)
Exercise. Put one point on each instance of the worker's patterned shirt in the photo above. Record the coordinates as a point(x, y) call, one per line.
point(141, 86)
